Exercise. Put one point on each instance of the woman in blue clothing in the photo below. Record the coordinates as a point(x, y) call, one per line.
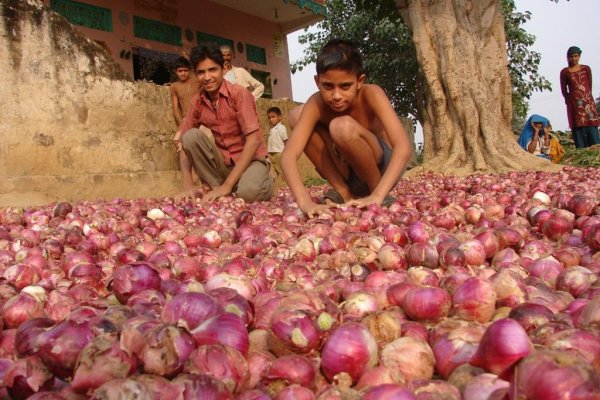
point(535, 137)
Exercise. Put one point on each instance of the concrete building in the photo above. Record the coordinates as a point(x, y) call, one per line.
point(145, 36)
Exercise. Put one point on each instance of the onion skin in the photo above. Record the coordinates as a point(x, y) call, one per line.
point(426, 304)
point(226, 328)
point(503, 344)
point(222, 362)
point(389, 391)
point(101, 361)
point(133, 278)
point(26, 376)
point(412, 357)
point(474, 300)
point(548, 374)
point(350, 348)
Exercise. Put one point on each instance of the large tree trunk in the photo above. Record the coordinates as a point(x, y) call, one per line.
point(461, 48)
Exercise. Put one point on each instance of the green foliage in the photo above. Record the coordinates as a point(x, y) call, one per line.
point(390, 56)
point(387, 48)
point(314, 181)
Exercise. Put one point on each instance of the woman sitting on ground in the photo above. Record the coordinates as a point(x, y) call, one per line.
point(535, 137)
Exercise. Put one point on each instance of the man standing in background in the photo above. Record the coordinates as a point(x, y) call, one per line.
point(576, 88)
point(239, 75)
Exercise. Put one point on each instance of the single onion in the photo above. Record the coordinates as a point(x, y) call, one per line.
point(190, 309)
point(350, 348)
point(549, 374)
point(226, 328)
point(132, 278)
point(27, 376)
point(223, 362)
point(474, 300)
point(101, 360)
point(426, 304)
point(503, 344)
point(411, 357)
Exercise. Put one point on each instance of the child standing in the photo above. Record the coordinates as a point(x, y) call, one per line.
point(184, 89)
point(350, 132)
point(277, 138)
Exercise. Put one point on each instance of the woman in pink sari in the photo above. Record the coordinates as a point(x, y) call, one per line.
point(576, 87)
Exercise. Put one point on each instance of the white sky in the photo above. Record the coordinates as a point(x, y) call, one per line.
point(556, 26)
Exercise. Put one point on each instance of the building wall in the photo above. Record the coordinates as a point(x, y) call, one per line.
point(73, 126)
point(193, 16)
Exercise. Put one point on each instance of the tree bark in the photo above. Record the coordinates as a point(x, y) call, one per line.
point(461, 48)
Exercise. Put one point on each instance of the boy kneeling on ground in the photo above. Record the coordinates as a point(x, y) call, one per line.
point(350, 132)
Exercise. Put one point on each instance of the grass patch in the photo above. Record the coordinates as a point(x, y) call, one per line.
point(314, 182)
point(588, 157)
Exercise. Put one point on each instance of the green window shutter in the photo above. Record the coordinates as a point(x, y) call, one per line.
point(256, 54)
point(84, 14)
point(203, 37)
point(155, 30)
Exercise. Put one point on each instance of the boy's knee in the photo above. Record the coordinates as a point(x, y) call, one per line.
point(193, 137)
point(294, 115)
point(342, 128)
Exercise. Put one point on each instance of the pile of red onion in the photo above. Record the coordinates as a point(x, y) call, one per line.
point(474, 288)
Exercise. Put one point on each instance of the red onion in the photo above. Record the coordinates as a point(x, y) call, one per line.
point(350, 348)
point(456, 348)
point(165, 350)
point(190, 309)
point(193, 386)
point(239, 283)
point(388, 391)
point(62, 345)
point(426, 304)
point(422, 254)
point(385, 325)
point(222, 362)
point(485, 386)
point(503, 344)
point(474, 300)
point(29, 337)
point(392, 257)
point(226, 328)
point(547, 374)
point(234, 303)
point(293, 331)
point(101, 360)
point(289, 370)
point(23, 306)
point(295, 392)
point(412, 357)
point(475, 253)
point(531, 316)
point(434, 388)
point(27, 376)
point(379, 375)
point(132, 278)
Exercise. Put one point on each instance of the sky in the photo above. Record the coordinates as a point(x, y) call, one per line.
point(556, 26)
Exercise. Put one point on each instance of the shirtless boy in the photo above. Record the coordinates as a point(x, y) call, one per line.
point(351, 133)
point(184, 89)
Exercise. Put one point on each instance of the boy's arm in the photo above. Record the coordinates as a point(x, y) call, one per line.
point(176, 106)
point(294, 148)
point(378, 101)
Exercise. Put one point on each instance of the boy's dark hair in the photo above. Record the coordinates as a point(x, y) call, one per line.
point(275, 110)
point(182, 62)
point(340, 54)
point(205, 51)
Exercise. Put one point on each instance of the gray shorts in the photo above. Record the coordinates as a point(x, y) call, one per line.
point(359, 188)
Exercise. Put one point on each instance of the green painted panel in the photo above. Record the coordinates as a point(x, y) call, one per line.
point(84, 14)
point(256, 54)
point(203, 37)
point(155, 30)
